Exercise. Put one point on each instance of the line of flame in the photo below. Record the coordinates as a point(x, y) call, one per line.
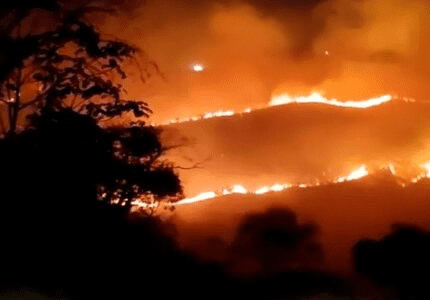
point(356, 174)
point(278, 187)
point(285, 99)
point(318, 98)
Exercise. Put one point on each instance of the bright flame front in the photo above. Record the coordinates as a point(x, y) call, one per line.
point(277, 187)
point(318, 98)
point(286, 99)
point(356, 174)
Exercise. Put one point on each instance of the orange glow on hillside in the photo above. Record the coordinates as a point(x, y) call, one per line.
point(278, 187)
point(239, 189)
point(356, 174)
point(285, 99)
point(318, 98)
point(427, 167)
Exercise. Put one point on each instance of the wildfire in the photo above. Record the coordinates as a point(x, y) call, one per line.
point(392, 169)
point(286, 99)
point(356, 174)
point(277, 187)
point(198, 198)
point(274, 188)
point(209, 115)
point(318, 98)
point(425, 166)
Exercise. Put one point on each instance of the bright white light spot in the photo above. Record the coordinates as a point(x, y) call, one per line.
point(262, 190)
point(356, 174)
point(318, 98)
point(239, 189)
point(201, 197)
point(197, 67)
point(427, 167)
point(326, 52)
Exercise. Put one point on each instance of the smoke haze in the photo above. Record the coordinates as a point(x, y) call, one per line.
point(252, 50)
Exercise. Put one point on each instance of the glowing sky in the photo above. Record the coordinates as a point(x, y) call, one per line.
point(253, 50)
point(226, 56)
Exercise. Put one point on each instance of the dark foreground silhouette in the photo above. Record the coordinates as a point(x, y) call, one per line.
point(274, 241)
point(60, 236)
point(58, 225)
point(400, 261)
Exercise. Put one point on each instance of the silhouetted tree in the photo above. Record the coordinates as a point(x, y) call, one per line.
point(67, 182)
point(400, 260)
point(67, 188)
point(68, 63)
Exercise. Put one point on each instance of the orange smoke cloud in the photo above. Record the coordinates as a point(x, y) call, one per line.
point(253, 50)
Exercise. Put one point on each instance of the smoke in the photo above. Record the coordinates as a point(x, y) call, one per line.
point(254, 49)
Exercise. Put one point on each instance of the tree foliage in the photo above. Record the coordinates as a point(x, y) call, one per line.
point(69, 64)
point(63, 79)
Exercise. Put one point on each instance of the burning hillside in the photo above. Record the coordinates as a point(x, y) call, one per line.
point(301, 143)
point(287, 99)
point(345, 212)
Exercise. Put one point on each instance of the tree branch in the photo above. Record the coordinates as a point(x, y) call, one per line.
point(38, 98)
point(195, 166)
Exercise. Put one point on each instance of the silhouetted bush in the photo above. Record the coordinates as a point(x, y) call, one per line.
point(400, 260)
point(274, 241)
point(55, 227)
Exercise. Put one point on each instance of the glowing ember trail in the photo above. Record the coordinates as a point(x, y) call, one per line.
point(274, 188)
point(240, 189)
point(356, 174)
point(392, 169)
point(209, 115)
point(317, 98)
point(198, 198)
point(286, 99)
point(236, 189)
point(427, 167)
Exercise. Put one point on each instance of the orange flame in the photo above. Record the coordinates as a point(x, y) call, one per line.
point(278, 187)
point(425, 166)
point(318, 98)
point(240, 189)
point(285, 99)
point(356, 174)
